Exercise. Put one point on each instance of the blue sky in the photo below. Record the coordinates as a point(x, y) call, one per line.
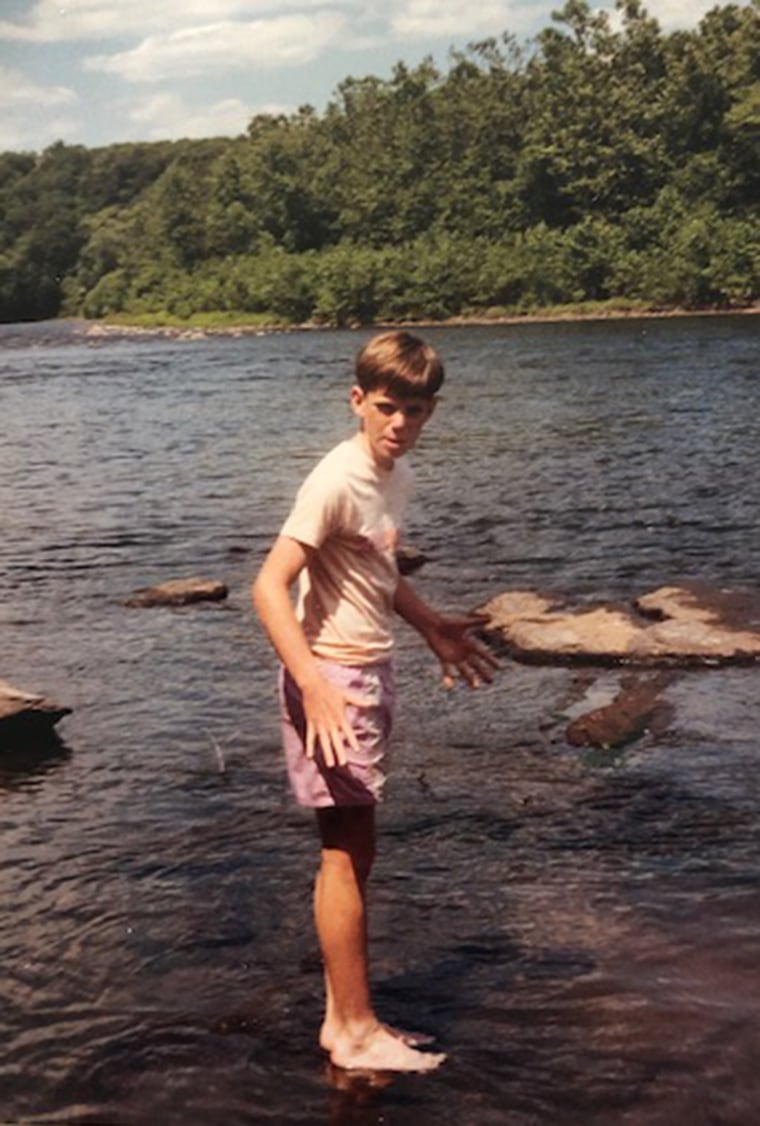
point(100, 71)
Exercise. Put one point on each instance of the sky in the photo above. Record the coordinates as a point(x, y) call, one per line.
point(97, 72)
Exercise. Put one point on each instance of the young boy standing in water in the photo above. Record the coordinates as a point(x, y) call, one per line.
point(337, 687)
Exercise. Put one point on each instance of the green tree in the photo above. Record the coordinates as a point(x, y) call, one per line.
point(593, 115)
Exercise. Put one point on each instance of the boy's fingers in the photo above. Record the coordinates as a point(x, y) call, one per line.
point(482, 659)
point(348, 735)
point(486, 653)
point(337, 750)
point(357, 700)
point(478, 619)
point(474, 669)
point(332, 742)
point(310, 740)
point(470, 673)
point(470, 621)
point(331, 747)
point(485, 667)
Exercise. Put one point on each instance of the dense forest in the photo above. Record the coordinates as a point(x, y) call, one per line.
point(604, 161)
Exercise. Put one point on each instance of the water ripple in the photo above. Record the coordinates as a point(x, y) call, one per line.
point(579, 930)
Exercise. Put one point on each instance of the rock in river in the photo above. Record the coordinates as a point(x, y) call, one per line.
point(179, 592)
point(409, 559)
point(688, 624)
point(22, 712)
point(636, 708)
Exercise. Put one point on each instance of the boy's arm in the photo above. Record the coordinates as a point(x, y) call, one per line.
point(450, 638)
point(324, 704)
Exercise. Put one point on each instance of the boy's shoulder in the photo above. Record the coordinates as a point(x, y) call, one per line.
point(349, 461)
point(334, 466)
point(347, 476)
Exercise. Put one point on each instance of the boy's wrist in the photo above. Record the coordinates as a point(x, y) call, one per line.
point(415, 611)
point(431, 623)
point(307, 677)
point(428, 625)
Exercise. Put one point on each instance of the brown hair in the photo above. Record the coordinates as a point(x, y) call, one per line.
point(401, 364)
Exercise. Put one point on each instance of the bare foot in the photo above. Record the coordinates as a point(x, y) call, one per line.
point(413, 1039)
point(327, 1038)
point(379, 1050)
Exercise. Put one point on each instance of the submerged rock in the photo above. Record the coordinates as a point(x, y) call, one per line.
point(22, 712)
point(689, 624)
point(635, 709)
point(179, 592)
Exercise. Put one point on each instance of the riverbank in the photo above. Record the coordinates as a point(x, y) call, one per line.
point(224, 324)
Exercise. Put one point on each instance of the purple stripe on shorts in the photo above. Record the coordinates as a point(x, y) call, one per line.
point(361, 780)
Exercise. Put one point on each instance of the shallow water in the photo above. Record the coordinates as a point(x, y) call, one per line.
point(578, 930)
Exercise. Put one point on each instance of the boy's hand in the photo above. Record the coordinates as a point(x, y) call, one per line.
point(327, 723)
point(459, 652)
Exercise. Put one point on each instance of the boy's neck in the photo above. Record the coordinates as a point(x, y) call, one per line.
point(363, 442)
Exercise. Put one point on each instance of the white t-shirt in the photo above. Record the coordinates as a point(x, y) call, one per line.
point(351, 511)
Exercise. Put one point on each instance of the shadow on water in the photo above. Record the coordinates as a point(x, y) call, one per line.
point(28, 754)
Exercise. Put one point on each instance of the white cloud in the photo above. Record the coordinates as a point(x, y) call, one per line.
point(167, 117)
point(18, 134)
point(22, 125)
point(451, 19)
point(672, 14)
point(461, 21)
point(221, 47)
point(17, 89)
point(55, 21)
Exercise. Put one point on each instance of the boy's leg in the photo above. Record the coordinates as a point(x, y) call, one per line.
point(347, 837)
point(351, 1031)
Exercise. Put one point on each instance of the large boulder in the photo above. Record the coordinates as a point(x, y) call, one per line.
point(25, 712)
point(688, 624)
point(179, 592)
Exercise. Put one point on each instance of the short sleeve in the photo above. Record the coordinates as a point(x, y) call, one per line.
point(316, 511)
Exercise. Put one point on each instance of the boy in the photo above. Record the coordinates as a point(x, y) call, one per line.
point(337, 680)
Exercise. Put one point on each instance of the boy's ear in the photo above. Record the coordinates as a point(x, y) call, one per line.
point(357, 400)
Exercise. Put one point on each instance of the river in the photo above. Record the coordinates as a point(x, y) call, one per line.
point(579, 930)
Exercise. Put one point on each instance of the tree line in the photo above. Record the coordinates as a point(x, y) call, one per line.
point(604, 161)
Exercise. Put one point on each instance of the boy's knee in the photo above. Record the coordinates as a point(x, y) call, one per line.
point(348, 864)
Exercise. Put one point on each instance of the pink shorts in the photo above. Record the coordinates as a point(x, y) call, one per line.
point(361, 780)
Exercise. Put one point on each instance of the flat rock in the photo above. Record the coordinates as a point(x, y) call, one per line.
point(688, 624)
point(21, 711)
point(179, 592)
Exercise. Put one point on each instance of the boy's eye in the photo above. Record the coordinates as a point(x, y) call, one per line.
point(413, 410)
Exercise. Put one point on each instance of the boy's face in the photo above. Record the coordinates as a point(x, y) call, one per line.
point(390, 425)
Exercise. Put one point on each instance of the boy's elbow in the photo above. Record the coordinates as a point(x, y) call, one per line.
point(278, 572)
point(267, 588)
point(259, 593)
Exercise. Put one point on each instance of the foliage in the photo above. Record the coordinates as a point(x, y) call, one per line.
point(604, 162)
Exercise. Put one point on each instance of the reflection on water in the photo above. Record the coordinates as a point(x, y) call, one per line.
point(578, 931)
